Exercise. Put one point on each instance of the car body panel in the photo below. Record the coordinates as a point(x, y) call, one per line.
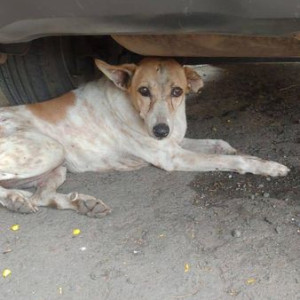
point(22, 21)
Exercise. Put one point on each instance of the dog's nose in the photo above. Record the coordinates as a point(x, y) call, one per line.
point(161, 130)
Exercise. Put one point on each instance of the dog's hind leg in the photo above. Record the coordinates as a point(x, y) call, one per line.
point(46, 195)
point(17, 200)
point(29, 159)
point(25, 158)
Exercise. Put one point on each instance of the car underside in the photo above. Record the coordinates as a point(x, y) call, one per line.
point(55, 43)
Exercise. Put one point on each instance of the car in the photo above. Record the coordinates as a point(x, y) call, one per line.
point(47, 47)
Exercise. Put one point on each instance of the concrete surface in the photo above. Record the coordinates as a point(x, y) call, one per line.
point(179, 235)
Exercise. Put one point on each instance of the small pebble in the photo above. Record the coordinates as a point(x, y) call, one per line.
point(268, 220)
point(233, 292)
point(295, 222)
point(7, 250)
point(278, 229)
point(236, 233)
point(252, 197)
point(266, 195)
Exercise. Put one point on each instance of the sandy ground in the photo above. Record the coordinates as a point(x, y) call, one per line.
point(210, 236)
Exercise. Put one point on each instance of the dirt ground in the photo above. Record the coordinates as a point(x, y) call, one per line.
point(193, 236)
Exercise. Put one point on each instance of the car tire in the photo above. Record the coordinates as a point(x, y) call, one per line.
point(46, 71)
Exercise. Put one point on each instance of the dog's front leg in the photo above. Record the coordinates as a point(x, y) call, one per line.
point(178, 159)
point(207, 146)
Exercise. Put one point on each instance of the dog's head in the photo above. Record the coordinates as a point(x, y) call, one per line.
point(156, 87)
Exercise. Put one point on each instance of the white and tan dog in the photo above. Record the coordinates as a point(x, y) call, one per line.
point(134, 117)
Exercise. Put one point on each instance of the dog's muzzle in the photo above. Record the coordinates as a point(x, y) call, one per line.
point(161, 130)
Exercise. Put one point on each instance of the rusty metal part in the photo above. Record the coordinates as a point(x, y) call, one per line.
point(3, 58)
point(210, 45)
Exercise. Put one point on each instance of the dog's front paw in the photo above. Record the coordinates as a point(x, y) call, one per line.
point(89, 205)
point(259, 166)
point(275, 169)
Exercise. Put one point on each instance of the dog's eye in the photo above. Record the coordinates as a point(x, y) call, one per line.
point(176, 92)
point(144, 91)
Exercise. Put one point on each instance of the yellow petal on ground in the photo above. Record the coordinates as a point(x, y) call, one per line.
point(6, 273)
point(186, 268)
point(15, 227)
point(76, 231)
point(250, 281)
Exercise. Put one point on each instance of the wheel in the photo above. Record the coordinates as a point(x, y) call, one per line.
point(50, 68)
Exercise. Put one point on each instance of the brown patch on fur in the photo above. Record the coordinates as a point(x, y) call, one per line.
point(53, 204)
point(53, 110)
point(75, 203)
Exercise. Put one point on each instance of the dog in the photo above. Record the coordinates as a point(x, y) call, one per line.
point(131, 117)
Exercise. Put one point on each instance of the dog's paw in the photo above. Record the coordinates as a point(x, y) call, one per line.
point(20, 202)
point(275, 169)
point(89, 205)
point(259, 166)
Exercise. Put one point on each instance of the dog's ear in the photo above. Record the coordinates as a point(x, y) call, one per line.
point(120, 75)
point(195, 82)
